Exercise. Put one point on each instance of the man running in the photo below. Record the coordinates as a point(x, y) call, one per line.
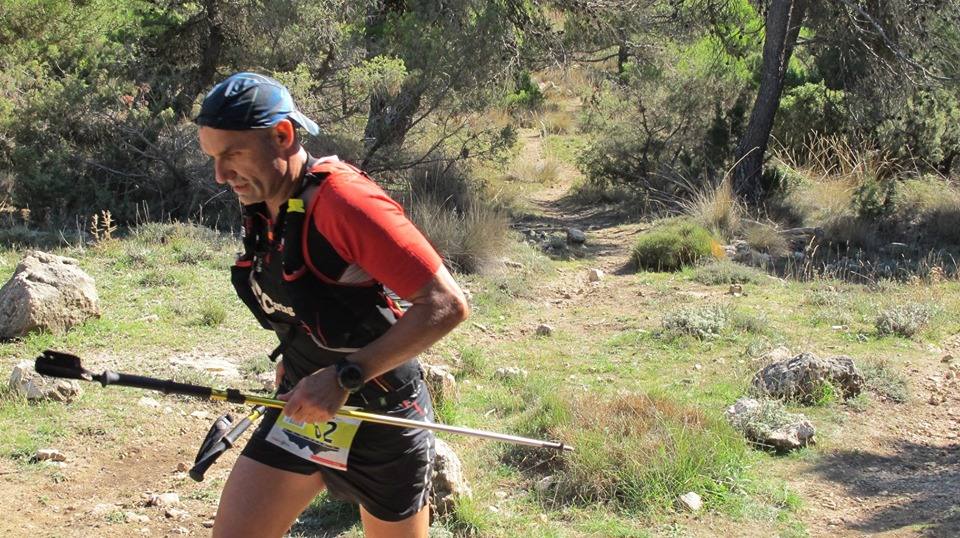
point(324, 249)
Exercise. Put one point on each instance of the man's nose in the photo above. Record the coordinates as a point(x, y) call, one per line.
point(222, 171)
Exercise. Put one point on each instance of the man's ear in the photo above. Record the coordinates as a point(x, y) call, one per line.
point(284, 134)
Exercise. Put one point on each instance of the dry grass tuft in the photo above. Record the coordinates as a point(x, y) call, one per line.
point(715, 208)
point(544, 171)
point(765, 238)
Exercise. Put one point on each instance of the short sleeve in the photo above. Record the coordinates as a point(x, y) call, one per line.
point(368, 228)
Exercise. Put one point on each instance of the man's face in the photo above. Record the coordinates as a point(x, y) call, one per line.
point(250, 162)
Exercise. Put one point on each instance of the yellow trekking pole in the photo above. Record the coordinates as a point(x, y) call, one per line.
point(65, 365)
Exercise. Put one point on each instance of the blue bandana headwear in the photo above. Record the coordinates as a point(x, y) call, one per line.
point(250, 101)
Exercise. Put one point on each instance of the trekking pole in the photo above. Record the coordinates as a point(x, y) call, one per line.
point(219, 440)
point(65, 365)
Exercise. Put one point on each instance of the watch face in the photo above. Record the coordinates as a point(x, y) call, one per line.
point(350, 377)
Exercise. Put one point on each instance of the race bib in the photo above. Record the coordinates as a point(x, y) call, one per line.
point(327, 444)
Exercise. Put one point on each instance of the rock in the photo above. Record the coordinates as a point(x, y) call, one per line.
point(440, 381)
point(164, 500)
point(46, 292)
point(24, 380)
point(177, 514)
point(268, 380)
point(49, 454)
point(513, 264)
point(777, 354)
point(691, 501)
point(736, 290)
point(202, 415)
point(224, 367)
point(802, 378)
point(102, 509)
point(208, 524)
point(897, 249)
point(544, 484)
point(134, 517)
point(947, 359)
point(544, 330)
point(768, 424)
point(595, 275)
point(510, 372)
point(181, 530)
point(576, 237)
point(182, 467)
point(449, 484)
point(747, 255)
point(148, 402)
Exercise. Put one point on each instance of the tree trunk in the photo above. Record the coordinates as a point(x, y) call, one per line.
point(390, 116)
point(783, 21)
point(203, 76)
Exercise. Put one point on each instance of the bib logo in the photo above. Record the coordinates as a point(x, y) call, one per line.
point(266, 303)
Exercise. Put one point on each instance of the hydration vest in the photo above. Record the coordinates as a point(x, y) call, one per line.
point(339, 317)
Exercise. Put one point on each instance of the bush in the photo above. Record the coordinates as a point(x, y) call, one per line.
point(904, 320)
point(766, 238)
point(673, 245)
point(544, 171)
point(469, 232)
point(716, 209)
point(883, 379)
point(726, 272)
point(701, 322)
point(663, 449)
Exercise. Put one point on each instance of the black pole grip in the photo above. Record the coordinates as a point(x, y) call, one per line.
point(165, 386)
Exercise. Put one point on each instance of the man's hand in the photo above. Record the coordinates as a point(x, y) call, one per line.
point(316, 398)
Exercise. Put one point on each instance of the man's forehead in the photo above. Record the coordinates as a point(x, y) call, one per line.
point(218, 141)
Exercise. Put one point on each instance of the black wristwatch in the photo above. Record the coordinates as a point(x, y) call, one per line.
point(349, 376)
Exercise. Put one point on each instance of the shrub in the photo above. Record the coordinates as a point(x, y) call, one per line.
point(663, 449)
point(726, 272)
point(469, 232)
point(884, 380)
point(904, 320)
point(701, 322)
point(715, 208)
point(212, 314)
point(766, 238)
point(675, 244)
point(768, 418)
point(544, 171)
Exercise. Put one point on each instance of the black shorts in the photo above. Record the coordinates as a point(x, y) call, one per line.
point(388, 470)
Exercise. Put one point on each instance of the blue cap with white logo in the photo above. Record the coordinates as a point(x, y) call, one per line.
point(250, 101)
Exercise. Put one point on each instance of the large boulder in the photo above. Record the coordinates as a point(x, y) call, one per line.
point(24, 380)
point(804, 377)
point(47, 292)
point(449, 485)
point(769, 425)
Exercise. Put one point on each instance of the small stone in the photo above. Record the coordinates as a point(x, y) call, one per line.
point(510, 372)
point(698, 366)
point(544, 484)
point(576, 236)
point(544, 330)
point(513, 264)
point(164, 500)
point(595, 275)
point(49, 454)
point(268, 380)
point(207, 524)
point(177, 514)
point(148, 402)
point(947, 359)
point(182, 467)
point(501, 494)
point(691, 501)
point(493, 509)
point(102, 509)
point(202, 415)
point(736, 290)
point(181, 530)
point(935, 399)
point(133, 517)
point(949, 375)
